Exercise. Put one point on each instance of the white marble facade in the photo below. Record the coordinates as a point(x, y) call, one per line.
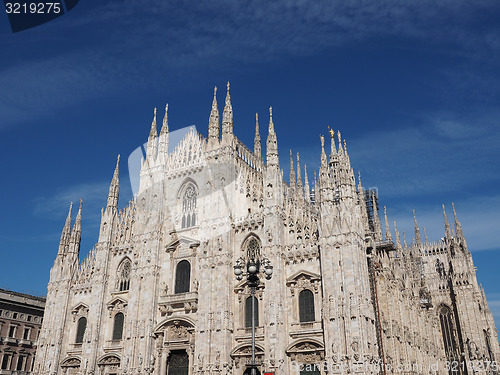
point(157, 293)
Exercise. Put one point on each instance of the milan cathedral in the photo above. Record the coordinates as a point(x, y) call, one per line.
point(157, 294)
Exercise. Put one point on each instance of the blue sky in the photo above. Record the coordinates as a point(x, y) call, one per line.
point(412, 85)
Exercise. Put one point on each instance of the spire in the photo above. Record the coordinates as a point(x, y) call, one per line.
point(271, 123)
point(153, 132)
point(66, 232)
point(399, 248)
point(114, 188)
point(323, 154)
point(316, 190)
point(227, 115)
point(425, 236)
point(388, 236)
point(404, 241)
point(256, 143)
point(340, 142)
point(299, 177)
point(272, 157)
point(446, 225)
point(152, 140)
point(307, 191)
point(293, 181)
point(164, 137)
point(417, 231)
point(362, 205)
point(345, 153)
point(458, 226)
point(377, 229)
point(333, 150)
point(164, 128)
point(213, 122)
point(76, 233)
point(458, 230)
point(360, 186)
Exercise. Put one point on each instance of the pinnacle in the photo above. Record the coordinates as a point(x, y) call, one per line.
point(388, 236)
point(153, 132)
point(164, 128)
point(271, 124)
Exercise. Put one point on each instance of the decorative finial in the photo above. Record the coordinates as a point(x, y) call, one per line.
point(388, 235)
point(257, 119)
point(332, 133)
point(215, 90)
point(339, 137)
point(322, 142)
point(446, 224)
point(155, 112)
point(271, 112)
point(228, 86)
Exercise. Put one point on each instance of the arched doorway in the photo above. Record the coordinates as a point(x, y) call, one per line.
point(248, 371)
point(310, 372)
point(178, 363)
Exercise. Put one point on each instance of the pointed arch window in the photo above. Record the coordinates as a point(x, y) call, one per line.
point(488, 345)
point(306, 306)
point(248, 312)
point(124, 275)
point(449, 338)
point(182, 277)
point(189, 207)
point(80, 330)
point(118, 326)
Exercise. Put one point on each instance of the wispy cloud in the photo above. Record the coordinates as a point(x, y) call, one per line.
point(439, 154)
point(478, 216)
point(93, 196)
point(188, 37)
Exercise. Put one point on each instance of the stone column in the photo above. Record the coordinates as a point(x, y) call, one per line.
point(189, 352)
point(164, 359)
point(159, 362)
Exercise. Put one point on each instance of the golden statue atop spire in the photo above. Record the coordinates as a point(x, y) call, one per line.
point(332, 133)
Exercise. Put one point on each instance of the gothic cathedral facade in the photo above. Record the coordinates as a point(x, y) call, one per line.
point(158, 295)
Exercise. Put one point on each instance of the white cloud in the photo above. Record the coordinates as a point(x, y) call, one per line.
point(93, 195)
point(158, 36)
point(440, 154)
point(478, 216)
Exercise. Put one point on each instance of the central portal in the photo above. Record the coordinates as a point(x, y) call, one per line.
point(248, 371)
point(178, 363)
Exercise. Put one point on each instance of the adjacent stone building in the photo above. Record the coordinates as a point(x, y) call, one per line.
point(21, 318)
point(157, 294)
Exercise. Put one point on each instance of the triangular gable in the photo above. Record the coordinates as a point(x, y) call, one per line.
point(302, 274)
point(182, 241)
point(79, 307)
point(117, 301)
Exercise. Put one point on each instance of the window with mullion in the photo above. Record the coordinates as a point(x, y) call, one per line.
point(306, 306)
point(118, 326)
point(80, 331)
point(182, 277)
